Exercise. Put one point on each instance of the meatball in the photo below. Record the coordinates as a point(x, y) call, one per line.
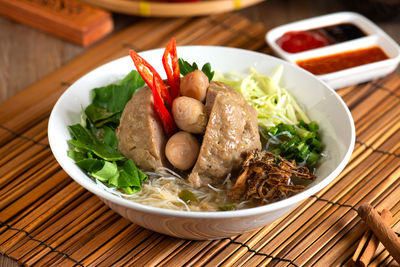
point(189, 114)
point(194, 85)
point(182, 150)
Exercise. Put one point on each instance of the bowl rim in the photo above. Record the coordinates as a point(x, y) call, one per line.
point(102, 194)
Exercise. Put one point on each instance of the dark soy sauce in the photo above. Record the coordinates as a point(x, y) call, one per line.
point(340, 32)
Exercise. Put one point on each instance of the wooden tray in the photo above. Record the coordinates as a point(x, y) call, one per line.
point(48, 219)
point(69, 19)
point(171, 9)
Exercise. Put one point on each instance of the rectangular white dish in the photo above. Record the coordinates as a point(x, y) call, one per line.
point(338, 79)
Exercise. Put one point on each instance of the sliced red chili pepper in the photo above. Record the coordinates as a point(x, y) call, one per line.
point(162, 112)
point(148, 73)
point(173, 75)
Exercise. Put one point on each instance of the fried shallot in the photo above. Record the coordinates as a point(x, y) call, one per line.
point(267, 178)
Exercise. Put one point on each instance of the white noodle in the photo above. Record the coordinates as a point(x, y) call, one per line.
point(284, 133)
point(243, 204)
point(227, 179)
point(213, 188)
point(170, 171)
point(280, 118)
point(303, 163)
point(167, 178)
point(162, 190)
point(183, 202)
point(324, 154)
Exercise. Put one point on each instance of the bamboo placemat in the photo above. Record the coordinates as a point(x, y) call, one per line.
point(48, 219)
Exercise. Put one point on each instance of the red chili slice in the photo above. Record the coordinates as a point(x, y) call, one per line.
point(162, 112)
point(173, 75)
point(149, 74)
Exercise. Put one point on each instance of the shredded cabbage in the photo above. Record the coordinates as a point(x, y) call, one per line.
point(273, 103)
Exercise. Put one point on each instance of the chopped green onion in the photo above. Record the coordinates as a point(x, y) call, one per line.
point(227, 207)
point(187, 196)
point(303, 145)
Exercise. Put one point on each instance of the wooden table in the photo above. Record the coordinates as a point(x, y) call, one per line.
point(27, 55)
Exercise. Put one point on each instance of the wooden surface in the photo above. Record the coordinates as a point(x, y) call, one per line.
point(170, 9)
point(69, 19)
point(28, 55)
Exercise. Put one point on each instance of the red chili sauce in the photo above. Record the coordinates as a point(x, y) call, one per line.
point(298, 41)
point(341, 61)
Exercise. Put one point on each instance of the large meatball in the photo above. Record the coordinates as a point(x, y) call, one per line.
point(232, 130)
point(140, 133)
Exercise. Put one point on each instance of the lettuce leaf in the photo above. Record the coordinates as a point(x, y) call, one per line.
point(84, 139)
point(133, 80)
point(94, 144)
point(274, 104)
point(112, 97)
point(109, 101)
point(96, 113)
point(90, 165)
point(108, 172)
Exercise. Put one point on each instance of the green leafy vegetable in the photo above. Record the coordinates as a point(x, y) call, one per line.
point(78, 132)
point(133, 80)
point(109, 101)
point(112, 122)
point(143, 177)
point(187, 196)
point(207, 71)
point(112, 97)
point(301, 143)
point(107, 173)
point(76, 155)
point(85, 140)
point(94, 144)
point(185, 68)
point(129, 177)
point(227, 207)
point(110, 138)
point(90, 164)
point(96, 114)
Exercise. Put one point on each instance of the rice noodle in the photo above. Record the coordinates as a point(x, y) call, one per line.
point(280, 118)
point(227, 179)
point(169, 171)
point(213, 188)
point(183, 202)
point(303, 163)
point(284, 133)
point(243, 204)
point(163, 187)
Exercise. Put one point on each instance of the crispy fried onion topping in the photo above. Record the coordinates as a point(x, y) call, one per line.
point(267, 178)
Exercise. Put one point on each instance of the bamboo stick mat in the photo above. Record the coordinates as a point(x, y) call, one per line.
point(48, 219)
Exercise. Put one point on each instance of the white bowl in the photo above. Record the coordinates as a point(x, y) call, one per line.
point(320, 101)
